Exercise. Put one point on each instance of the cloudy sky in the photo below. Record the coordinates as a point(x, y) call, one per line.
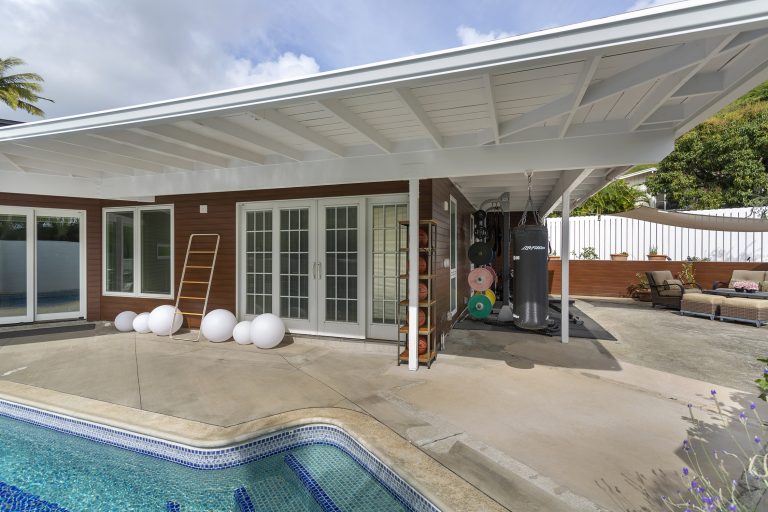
point(99, 54)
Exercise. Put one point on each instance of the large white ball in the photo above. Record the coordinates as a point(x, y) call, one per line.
point(163, 320)
point(242, 333)
point(267, 331)
point(141, 323)
point(217, 326)
point(124, 321)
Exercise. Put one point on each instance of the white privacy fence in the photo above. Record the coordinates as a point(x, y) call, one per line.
point(613, 235)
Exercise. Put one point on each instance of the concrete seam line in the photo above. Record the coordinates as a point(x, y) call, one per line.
point(516, 467)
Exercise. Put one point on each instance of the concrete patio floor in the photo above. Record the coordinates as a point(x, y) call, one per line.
point(536, 425)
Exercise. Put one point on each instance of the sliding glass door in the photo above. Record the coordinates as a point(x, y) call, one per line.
point(42, 257)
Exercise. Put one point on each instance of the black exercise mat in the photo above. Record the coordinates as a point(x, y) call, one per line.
point(589, 329)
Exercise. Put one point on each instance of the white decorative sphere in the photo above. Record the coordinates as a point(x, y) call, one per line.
point(141, 323)
point(124, 321)
point(242, 333)
point(163, 320)
point(217, 326)
point(267, 331)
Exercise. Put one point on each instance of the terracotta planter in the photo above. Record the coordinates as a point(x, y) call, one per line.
point(619, 257)
point(657, 257)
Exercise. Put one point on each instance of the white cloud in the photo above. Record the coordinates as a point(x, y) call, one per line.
point(97, 55)
point(469, 35)
point(645, 4)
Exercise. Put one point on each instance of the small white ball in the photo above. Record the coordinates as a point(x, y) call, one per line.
point(141, 323)
point(163, 320)
point(267, 330)
point(124, 321)
point(217, 326)
point(242, 333)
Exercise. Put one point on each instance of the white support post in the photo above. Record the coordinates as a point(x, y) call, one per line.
point(565, 244)
point(413, 274)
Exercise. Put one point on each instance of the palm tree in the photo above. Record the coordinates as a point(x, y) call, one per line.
point(20, 91)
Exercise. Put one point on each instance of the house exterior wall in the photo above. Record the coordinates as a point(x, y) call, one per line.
point(221, 219)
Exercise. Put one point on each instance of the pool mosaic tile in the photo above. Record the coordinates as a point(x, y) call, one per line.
point(311, 485)
point(243, 453)
point(13, 499)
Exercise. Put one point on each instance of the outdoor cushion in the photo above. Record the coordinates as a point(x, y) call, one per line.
point(659, 276)
point(701, 303)
point(745, 309)
point(747, 275)
point(671, 291)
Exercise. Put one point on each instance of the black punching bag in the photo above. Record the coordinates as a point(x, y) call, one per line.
point(530, 303)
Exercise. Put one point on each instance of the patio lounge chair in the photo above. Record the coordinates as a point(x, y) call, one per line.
point(666, 290)
point(757, 276)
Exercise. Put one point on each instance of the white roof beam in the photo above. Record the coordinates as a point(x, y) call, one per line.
point(582, 82)
point(102, 144)
point(6, 164)
point(151, 142)
point(703, 83)
point(196, 139)
point(666, 114)
point(239, 132)
point(574, 153)
point(354, 121)
point(490, 99)
point(667, 86)
point(612, 175)
point(53, 184)
point(567, 183)
point(416, 108)
point(61, 168)
point(58, 158)
point(747, 37)
point(749, 71)
point(102, 157)
point(678, 58)
point(289, 124)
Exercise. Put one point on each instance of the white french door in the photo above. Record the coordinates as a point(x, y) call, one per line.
point(42, 264)
point(304, 261)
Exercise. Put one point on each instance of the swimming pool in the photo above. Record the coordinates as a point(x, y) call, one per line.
point(307, 468)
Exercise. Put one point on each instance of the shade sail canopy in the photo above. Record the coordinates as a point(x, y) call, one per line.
point(576, 105)
point(696, 221)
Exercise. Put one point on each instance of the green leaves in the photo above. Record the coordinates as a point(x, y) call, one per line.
point(616, 197)
point(762, 382)
point(20, 91)
point(722, 162)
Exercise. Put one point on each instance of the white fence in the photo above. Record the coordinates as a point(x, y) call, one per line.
point(612, 235)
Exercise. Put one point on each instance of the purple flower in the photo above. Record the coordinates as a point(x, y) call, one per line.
point(694, 484)
point(713, 392)
point(732, 506)
point(757, 439)
point(707, 500)
point(690, 406)
point(742, 415)
point(685, 471)
point(752, 405)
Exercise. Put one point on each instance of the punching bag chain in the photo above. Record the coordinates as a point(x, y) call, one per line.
point(529, 204)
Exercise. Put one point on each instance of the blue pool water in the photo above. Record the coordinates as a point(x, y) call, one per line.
point(82, 475)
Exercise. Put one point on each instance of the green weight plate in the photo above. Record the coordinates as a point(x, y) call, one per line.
point(480, 306)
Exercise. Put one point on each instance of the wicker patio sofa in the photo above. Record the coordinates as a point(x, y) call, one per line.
point(757, 276)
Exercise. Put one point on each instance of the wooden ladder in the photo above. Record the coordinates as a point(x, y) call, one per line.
point(198, 281)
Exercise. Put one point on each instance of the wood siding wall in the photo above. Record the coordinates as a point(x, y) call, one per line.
point(611, 278)
point(434, 194)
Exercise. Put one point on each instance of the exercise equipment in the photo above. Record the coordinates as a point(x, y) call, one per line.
point(480, 305)
point(481, 278)
point(481, 253)
point(529, 246)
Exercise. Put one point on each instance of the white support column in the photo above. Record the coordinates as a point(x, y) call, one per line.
point(565, 244)
point(413, 274)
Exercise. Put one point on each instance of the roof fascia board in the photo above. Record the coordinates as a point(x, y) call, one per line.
point(680, 22)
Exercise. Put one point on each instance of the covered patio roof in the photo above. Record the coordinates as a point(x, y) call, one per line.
point(576, 105)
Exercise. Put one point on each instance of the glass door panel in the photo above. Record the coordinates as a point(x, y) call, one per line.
point(15, 266)
point(58, 276)
point(296, 269)
point(258, 262)
point(383, 276)
point(342, 310)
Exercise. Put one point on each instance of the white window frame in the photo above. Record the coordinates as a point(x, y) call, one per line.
point(453, 247)
point(137, 251)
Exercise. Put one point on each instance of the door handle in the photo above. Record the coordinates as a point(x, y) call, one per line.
point(320, 269)
point(314, 270)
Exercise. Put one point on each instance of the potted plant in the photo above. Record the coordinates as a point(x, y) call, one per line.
point(653, 254)
point(553, 256)
point(745, 286)
point(622, 256)
point(641, 290)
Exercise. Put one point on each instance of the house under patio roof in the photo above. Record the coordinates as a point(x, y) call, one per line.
point(573, 107)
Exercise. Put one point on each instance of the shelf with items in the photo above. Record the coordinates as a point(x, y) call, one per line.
point(427, 331)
